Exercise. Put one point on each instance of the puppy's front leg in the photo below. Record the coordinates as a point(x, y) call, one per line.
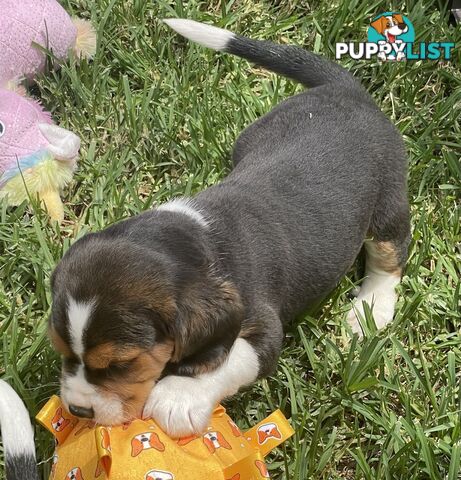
point(183, 405)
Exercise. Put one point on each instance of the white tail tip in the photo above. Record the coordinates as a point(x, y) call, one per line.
point(17, 433)
point(206, 35)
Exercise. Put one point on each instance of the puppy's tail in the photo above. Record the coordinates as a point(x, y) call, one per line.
point(17, 436)
point(305, 67)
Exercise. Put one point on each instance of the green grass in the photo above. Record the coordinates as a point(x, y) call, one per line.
point(158, 117)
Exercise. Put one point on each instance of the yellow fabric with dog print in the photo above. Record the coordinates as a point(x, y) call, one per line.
point(140, 450)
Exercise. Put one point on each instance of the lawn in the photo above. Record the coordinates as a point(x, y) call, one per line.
point(158, 117)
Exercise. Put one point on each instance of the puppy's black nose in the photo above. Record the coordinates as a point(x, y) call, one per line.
point(81, 411)
point(402, 26)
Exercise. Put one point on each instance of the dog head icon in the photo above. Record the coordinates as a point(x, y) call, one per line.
point(261, 466)
point(58, 422)
point(390, 26)
point(146, 441)
point(268, 431)
point(159, 475)
point(215, 440)
point(74, 474)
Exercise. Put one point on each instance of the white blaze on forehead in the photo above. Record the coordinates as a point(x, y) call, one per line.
point(78, 314)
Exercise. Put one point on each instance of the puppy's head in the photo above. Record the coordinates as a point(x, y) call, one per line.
point(122, 312)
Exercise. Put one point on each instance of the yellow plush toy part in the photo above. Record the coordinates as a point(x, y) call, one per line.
point(140, 450)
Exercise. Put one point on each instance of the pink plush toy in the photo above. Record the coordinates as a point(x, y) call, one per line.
point(37, 158)
point(24, 23)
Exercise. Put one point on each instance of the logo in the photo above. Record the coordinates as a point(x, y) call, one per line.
point(391, 30)
point(391, 37)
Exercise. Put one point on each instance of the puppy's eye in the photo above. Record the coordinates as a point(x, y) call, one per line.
point(120, 367)
point(2, 129)
point(112, 368)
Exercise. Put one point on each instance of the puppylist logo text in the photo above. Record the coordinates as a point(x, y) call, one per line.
point(391, 36)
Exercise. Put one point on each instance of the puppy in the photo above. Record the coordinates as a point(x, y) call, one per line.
point(169, 312)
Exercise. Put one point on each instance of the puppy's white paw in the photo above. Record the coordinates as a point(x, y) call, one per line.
point(182, 406)
point(353, 321)
point(381, 303)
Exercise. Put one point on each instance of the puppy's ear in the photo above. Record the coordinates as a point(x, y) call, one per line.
point(208, 321)
point(380, 24)
point(398, 18)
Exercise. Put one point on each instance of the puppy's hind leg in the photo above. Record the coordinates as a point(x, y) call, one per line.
point(386, 255)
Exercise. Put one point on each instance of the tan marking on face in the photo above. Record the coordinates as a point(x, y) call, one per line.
point(384, 256)
point(103, 355)
point(58, 343)
point(146, 368)
point(132, 395)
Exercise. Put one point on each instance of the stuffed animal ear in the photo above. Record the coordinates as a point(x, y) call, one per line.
point(63, 144)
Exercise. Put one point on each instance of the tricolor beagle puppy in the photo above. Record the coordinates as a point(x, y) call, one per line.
point(167, 313)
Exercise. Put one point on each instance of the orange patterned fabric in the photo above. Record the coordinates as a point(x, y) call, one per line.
point(140, 450)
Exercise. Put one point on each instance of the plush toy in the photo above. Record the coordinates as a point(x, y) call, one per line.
point(27, 25)
point(37, 158)
point(140, 450)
